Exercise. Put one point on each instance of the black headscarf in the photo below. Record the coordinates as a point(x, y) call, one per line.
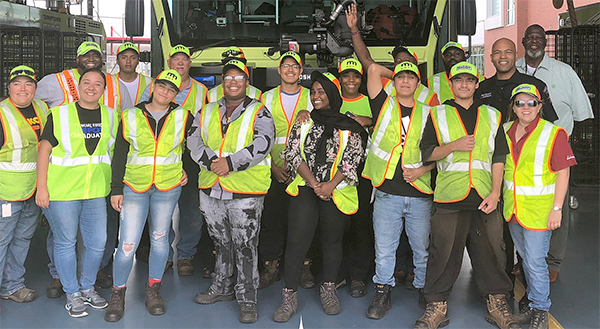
point(331, 117)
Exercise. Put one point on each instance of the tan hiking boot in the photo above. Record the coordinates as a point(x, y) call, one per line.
point(498, 313)
point(436, 316)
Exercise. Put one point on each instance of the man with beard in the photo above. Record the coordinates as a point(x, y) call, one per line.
point(452, 53)
point(571, 103)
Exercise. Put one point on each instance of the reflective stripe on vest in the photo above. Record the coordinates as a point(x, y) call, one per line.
point(459, 171)
point(422, 94)
point(283, 124)
point(344, 196)
point(440, 85)
point(70, 79)
point(240, 133)
point(18, 155)
point(385, 151)
point(215, 93)
point(74, 174)
point(529, 187)
point(196, 97)
point(154, 160)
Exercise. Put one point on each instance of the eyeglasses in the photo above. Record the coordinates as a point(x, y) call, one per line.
point(238, 78)
point(287, 66)
point(529, 103)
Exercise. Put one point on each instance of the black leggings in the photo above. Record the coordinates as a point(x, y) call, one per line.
point(306, 211)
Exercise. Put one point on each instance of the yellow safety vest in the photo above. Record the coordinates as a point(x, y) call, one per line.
point(529, 187)
point(358, 106)
point(73, 174)
point(215, 93)
point(154, 159)
point(240, 133)
point(283, 124)
point(69, 82)
point(142, 83)
point(386, 150)
point(19, 153)
point(460, 171)
point(422, 94)
point(345, 196)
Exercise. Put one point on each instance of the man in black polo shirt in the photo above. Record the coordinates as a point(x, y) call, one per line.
point(496, 90)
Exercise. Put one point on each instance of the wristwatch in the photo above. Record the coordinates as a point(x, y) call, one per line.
point(556, 208)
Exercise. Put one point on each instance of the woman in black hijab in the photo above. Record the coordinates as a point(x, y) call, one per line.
point(323, 155)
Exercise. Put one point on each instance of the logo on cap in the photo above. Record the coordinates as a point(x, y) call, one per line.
point(464, 67)
point(170, 76)
point(527, 89)
point(234, 63)
point(86, 47)
point(407, 66)
point(127, 45)
point(179, 49)
point(350, 64)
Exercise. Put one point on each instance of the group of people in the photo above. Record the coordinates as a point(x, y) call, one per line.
point(277, 177)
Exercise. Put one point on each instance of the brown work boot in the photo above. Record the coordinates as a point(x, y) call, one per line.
point(154, 303)
point(116, 307)
point(435, 316)
point(185, 267)
point(329, 298)
point(498, 313)
point(288, 306)
point(55, 289)
point(307, 280)
point(23, 295)
point(270, 274)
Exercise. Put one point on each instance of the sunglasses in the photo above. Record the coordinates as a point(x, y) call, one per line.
point(229, 78)
point(529, 103)
point(231, 53)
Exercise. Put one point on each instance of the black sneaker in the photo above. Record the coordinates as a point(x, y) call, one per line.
point(382, 302)
point(210, 297)
point(357, 289)
point(91, 298)
point(539, 320)
point(248, 313)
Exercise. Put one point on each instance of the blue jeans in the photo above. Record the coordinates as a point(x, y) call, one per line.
point(190, 223)
point(533, 247)
point(160, 205)
point(389, 214)
point(66, 218)
point(16, 231)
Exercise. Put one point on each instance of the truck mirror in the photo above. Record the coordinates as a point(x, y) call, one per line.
point(134, 18)
point(466, 17)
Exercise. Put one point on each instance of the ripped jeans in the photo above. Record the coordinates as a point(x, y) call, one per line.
point(156, 205)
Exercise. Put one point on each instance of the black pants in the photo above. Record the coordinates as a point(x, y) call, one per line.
point(274, 222)
point(359, 247)
point(306, 211)
point(450, 230)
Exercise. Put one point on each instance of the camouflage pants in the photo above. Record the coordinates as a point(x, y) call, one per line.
point(234, 226)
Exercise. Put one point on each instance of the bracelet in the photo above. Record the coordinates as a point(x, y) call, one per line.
point(355, 33)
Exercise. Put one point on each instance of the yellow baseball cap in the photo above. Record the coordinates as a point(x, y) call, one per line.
point(293, 55)
point(452, 44)
point(127, 45)
point(87, 46)
point(22, 71)
point(333, 79)
point(179, 49)
point(170, 76)
point(399, 49)
point(527, 89)
point(234, 63)
point(350, 64)
point(407, 66)
point(464, 67)
point(233, 52)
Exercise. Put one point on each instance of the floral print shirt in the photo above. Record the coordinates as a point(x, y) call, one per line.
point(351, 158)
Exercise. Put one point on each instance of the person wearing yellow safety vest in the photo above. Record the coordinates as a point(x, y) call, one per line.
point(128, 58)
point(215, 93)
point(231, 140)
point(284, 102)
point(452, 53)
point(192, 97)
point(63, 88)
point(467, 142)
point(323, 156)
point(536, 179)
point(147, 178)
point(21, 121)
point(400, 54)
point(73, 177)
point(402, 181)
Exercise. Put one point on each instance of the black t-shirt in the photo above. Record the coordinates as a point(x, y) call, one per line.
point(91, 127)
point(496, 93)
point(397, 185)
point(468, 116)
point(31, 117)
